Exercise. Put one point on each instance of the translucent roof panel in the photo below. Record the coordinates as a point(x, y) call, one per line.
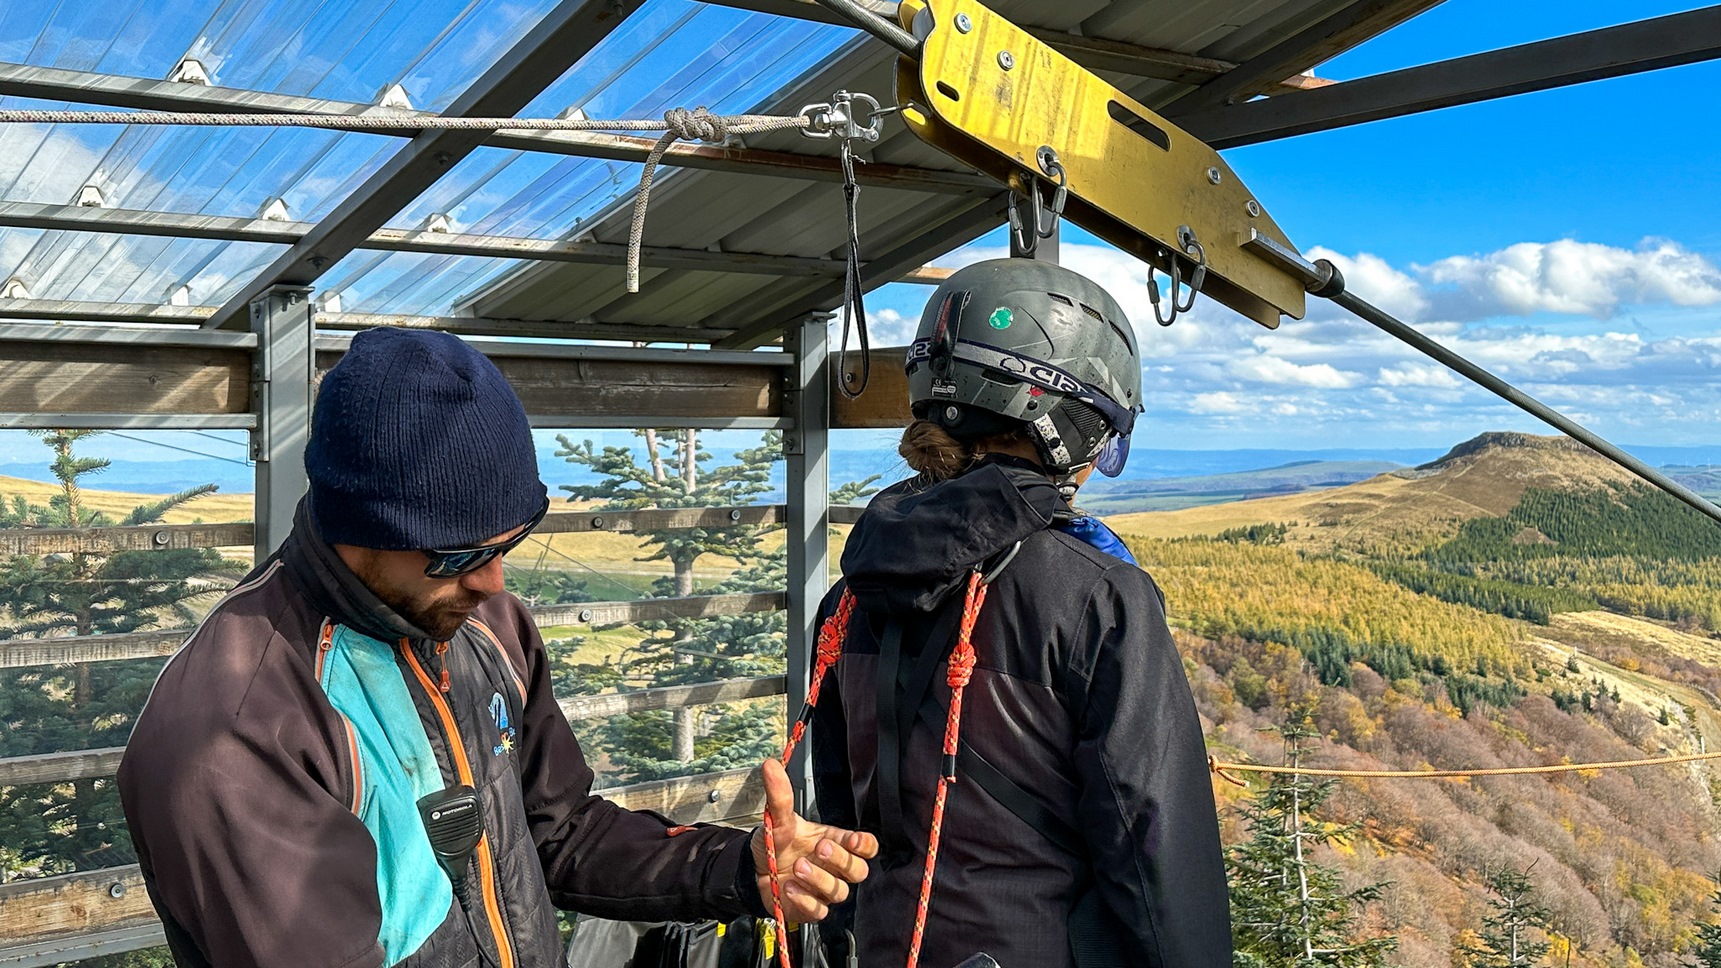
point(670, 53)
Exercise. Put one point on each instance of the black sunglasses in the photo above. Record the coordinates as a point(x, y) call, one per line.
point(455, 562)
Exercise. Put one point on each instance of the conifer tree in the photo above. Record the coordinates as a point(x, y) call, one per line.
point(1706, 947)
point(1514, 933)
point(88, 705)
point(1287, 911)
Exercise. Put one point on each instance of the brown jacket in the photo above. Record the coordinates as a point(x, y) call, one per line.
point(270, 788)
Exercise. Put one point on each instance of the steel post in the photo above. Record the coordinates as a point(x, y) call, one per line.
point(281, 376)
point(807, 449)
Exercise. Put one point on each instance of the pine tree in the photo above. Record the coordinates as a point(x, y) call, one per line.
point(1509, 932)
point(671, 653)
point(49, 829)
point(1286, 910)
point(1706, 950)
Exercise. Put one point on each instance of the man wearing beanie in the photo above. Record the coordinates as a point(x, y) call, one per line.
point(356, 759)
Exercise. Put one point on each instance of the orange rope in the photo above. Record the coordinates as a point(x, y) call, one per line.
point(1224, 770)
point(831, 636)
point(962, 660)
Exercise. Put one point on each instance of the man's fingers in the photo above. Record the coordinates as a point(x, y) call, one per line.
point(818, 882)
point(779, 800)
point(799, 907)
point(861, 844)
point(833, 857)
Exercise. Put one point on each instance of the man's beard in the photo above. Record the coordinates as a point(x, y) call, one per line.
point(439, 620)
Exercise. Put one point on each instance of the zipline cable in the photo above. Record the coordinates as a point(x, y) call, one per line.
point(1322, 278)
point(1223, 770)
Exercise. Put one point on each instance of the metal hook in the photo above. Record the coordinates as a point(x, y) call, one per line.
point(1044, 224)
point(1192, 247)
point(840, 119)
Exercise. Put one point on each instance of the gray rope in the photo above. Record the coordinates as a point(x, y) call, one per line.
point(735, 124)
point(677, 124)
point(696, 125)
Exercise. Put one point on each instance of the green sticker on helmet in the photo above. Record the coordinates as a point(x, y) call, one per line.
point(1001, 318)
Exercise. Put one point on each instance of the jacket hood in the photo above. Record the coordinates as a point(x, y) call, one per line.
point(324, 579)
point(915, 543)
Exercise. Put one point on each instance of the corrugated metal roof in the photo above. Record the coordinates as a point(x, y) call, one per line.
point(669, 53)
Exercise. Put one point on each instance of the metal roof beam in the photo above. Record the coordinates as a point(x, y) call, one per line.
point(1094, 53)
point(1326, 38)
point(1647, 45)
point(78, 311)
point(75, 218)
point(553, 45)
point(84, 87)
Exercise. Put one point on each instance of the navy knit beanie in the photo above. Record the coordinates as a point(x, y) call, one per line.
point(418, 442)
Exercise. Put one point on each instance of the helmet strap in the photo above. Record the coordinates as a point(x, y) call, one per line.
point(1055, 456)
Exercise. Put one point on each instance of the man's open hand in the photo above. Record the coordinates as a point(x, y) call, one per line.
point(816, 862)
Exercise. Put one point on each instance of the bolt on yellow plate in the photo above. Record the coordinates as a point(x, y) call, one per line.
point(994, 95)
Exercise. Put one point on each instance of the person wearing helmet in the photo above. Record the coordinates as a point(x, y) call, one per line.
point(1080, 830)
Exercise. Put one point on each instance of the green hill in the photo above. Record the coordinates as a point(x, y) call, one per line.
point(1518, 602)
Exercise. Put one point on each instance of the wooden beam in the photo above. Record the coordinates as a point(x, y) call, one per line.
point(578, 708)
point(101, 763)
point(846, 513)
point(657, 609)
point(68, 904)
point(60, 767)
point(707, 798)
point(1647, 45)
point(94, 378)
point(18, 653)
point(653, 519)
point(558, 389)
point(885, 402)
point(103, 541)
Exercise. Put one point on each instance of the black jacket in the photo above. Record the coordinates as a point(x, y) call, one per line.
point(271, 795)
point(1078, 701)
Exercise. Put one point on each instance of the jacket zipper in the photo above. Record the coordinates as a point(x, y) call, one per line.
point(326, 642)
point(486, 867)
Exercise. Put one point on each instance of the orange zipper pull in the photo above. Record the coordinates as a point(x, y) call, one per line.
point(444, 684)
point(442, 654)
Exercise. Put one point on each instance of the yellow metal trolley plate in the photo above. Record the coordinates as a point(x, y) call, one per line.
point(996, 94)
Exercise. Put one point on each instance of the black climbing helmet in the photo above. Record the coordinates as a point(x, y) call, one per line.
point(1015, 344)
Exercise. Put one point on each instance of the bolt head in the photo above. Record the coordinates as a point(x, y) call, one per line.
point(116, 890)
point(585, 615)
point(1214, 175)
point(963, 23)
point(734, 514)
point(1253, 208)
point(1006, 59)
point(597, 523)
point(713, 797)
point(161, 538)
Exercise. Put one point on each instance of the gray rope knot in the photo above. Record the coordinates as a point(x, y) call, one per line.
point(696, 125)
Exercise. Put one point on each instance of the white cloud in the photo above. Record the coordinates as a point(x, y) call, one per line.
point(1218, 401)
point(1271, 369)
point(1566, 276)
point(1418, 375)
point(1372, 278)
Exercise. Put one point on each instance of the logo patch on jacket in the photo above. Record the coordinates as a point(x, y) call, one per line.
point(504, 730)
